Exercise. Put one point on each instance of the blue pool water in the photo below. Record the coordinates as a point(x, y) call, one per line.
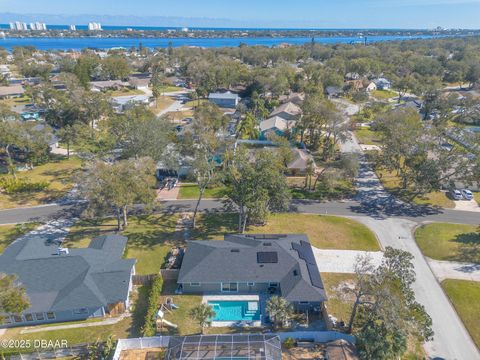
point(235, 310)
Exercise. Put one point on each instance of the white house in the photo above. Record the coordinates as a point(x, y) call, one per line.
point(371, 87)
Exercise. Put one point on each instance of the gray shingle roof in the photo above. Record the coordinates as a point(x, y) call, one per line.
point(213, 261)
point(91, 277)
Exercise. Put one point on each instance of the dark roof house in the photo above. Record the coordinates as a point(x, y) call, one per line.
point(73, 284)
point(285, 260)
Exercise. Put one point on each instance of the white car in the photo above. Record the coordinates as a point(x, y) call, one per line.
point(456, 194)
point(467, 194)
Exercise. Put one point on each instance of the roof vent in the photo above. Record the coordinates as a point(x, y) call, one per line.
point(267, 244)
point(235, 250)
point(295, 273)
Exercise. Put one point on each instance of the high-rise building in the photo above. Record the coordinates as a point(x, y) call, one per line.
point(73, 28)
point(94, 26)
point(18, 26)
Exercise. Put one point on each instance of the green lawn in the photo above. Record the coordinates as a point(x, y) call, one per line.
point(341, 189)
point(476, 195)
point(128, 327)
point(59, 173)
point(169, 88)
point(391, 182)
point(150, 238)
point(384, 94)
point(367, 137)
point(124, 92)
point(9, 233)
point(453, 242)
point(325, 232)
point(465, 297)
point(194, 103)
point(191, 191)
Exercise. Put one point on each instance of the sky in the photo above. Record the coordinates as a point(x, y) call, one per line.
point(257, 13)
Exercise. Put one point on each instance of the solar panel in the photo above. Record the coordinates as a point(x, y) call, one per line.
point(267, 257)
point(314, 274)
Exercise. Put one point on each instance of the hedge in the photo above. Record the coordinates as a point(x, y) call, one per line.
point(150, 325)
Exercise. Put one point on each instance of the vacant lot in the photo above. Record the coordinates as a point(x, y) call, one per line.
point(465, 297)
point(150, 238)
point(325, 232)
point(453, 242)
point(9, 233)
point(58, 173)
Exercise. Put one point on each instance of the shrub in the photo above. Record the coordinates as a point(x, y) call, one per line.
point(289, 343)
point(150, 326)
point(13, 186)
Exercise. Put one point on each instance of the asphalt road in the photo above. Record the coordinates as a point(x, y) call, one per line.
point(417, 214)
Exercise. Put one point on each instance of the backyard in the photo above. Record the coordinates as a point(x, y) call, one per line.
point(451, 242)
point(384, 94)
point(59, 173)
point(464, 295)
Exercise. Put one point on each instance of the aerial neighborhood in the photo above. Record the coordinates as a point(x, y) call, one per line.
point(291, 201)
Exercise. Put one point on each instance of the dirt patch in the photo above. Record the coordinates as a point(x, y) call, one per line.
point(467, 205)
point(145, 354)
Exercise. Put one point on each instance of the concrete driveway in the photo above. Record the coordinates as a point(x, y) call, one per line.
point(342, 261)
point(467, 205)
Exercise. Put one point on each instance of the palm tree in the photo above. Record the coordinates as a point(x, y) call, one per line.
point(203, 314)
point(279, 310)
point(247, 127)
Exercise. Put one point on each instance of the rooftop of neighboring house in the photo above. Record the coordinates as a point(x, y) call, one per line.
point(300, 160)
point(11, 90)
point(289, 108)
point(284, 259)
point(223, 95)
point(89, 277)
point(276, 122)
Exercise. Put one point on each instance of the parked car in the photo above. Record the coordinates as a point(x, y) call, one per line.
point(467, 194)
point(456, 194)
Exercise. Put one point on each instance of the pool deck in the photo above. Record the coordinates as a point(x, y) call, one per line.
point(235, 297)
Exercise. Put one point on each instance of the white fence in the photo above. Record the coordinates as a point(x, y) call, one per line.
point(140, 343)
point(162, 341)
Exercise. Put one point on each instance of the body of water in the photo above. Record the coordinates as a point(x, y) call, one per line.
point(63, 43)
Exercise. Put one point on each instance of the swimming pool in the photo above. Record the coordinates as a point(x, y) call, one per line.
point(236, 310)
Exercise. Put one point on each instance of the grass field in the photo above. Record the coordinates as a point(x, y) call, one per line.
point(476, 195)
point(465, 297)
point(191, 191)
point(453, 242)
point(367, 137)
point(325, 232)
point(150, 238)
point(59, 173)
point(9, 233)
point(194, 103)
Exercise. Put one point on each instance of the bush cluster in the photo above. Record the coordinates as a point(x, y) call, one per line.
point(14, 186)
